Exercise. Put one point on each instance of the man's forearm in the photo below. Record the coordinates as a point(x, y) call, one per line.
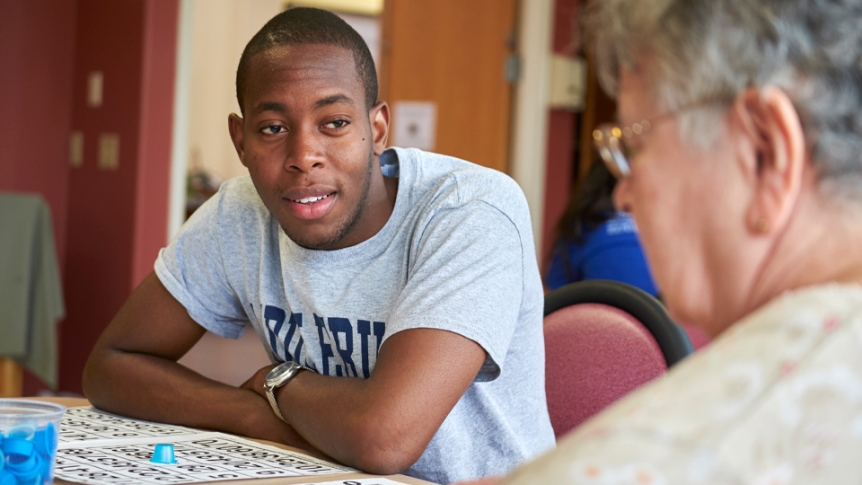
point(384, 423)
point(338, 415)
point(158, 389)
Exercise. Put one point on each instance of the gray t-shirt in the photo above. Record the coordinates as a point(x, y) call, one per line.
point(456, 254)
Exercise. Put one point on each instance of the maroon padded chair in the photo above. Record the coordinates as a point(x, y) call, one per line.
point(603, 339)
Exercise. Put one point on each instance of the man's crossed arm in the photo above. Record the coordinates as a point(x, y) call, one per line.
point(381, 424)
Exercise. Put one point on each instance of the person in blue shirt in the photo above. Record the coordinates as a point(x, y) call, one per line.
point(595, 240)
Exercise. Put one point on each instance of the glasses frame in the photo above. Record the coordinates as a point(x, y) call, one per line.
point(609, 138)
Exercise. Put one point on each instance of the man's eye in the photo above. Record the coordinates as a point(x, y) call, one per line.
point(273, 129)
point(337, 124)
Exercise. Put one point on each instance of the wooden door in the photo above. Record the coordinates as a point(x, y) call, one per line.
point(453, 53)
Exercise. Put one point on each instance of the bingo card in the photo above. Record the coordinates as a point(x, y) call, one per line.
point(99, 448)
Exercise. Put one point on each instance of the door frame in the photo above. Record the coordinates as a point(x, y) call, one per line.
point(528, 153)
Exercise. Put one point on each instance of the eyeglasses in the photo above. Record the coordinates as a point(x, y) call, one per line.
point(611, 140)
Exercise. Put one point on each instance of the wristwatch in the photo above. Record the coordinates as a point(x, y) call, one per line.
point(277, 377)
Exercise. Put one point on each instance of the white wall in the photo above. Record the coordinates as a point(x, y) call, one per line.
point(220, 30)
point(226, 360)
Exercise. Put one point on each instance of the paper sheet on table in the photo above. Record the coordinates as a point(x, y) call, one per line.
point(99, 448)
point(360, 481)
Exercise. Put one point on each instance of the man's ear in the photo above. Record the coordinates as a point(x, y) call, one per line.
point(234, 126)
point(775, 160)
point(379, 119)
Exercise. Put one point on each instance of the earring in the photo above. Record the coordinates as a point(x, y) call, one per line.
point(761, 225)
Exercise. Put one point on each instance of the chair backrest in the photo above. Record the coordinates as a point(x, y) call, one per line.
point(603, 339)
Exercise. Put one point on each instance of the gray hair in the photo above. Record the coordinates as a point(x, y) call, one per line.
point(714, 49)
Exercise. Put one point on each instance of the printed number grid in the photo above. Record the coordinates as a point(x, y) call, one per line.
point(87, 424)
point(198, 460)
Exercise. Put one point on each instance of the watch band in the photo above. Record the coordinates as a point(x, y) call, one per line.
point(284, 373)
point(270, 396)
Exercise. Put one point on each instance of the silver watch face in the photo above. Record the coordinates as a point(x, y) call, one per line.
point(279, 373)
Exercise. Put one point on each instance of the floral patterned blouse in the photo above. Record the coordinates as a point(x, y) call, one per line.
point(777, 399)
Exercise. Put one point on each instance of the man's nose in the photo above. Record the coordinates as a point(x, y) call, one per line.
point(304, 151)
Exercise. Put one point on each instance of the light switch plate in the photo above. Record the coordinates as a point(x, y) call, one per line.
point(76, 149)
point(95, 85)
point(109, 151)
point(568, 83)
point(414, 124)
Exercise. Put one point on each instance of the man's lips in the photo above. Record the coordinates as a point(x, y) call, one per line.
point(311, 199)
point(310, 206)
point(298, 193)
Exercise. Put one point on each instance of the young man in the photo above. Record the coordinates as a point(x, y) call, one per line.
point(400, 288)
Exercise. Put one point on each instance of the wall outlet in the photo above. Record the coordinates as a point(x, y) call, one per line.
point(109, 151)
point(568, 83)
point(95, 84)
point(76, 149)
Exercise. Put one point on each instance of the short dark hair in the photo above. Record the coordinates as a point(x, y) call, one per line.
point(303, 25)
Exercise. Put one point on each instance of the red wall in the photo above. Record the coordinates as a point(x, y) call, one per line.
point(562, 138)
point(36, 54)
point(108, 225)
point(37, 39)
point(117, 218)
point(562, 133)
point(152, 192)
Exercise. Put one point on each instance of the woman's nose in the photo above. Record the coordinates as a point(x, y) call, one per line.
point(622, 195)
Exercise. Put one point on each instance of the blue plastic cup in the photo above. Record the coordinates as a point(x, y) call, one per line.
point(29, 432)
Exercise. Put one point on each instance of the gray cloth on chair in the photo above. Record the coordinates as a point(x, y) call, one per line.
point(31, 299)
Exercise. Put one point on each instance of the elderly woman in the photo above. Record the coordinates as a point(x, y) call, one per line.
point(739, 153)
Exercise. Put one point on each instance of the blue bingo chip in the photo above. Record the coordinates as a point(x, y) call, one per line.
point(22, 431)
point(23, 465)
point(26, 455)
point(7, 478)
point(45, 440)
point(17, 447)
